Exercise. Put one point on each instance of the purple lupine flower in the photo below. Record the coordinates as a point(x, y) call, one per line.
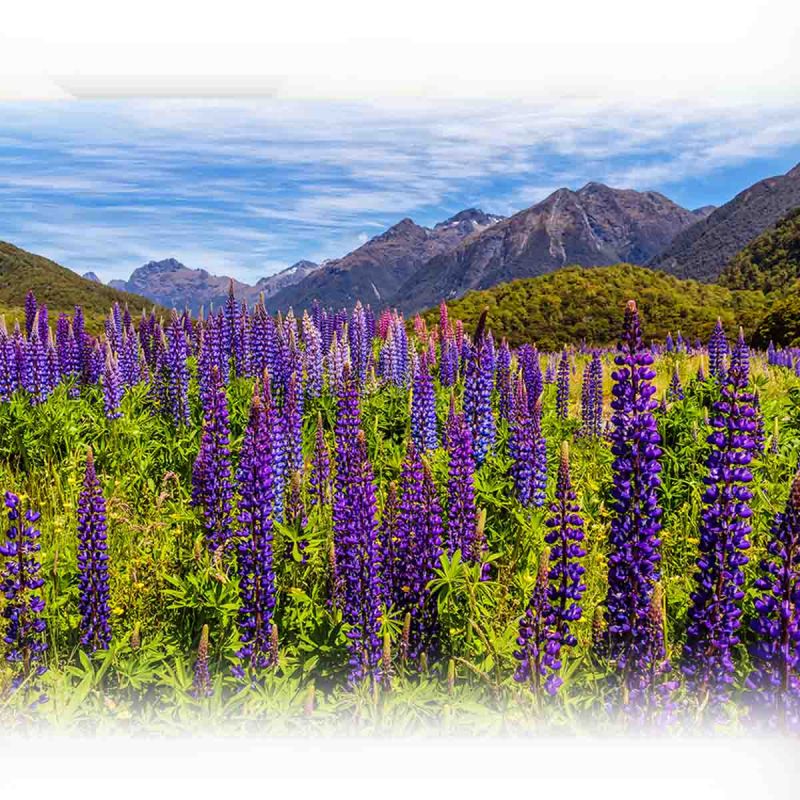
point(320, 478)
point(562, 386)
point(293, 425)
point(416, 552)
point(760, 434)
point(25, 627)
point(312, 357)
point(201, 682)
point(356, 549)
point(31, 308)
point(566, 551)
point(521, 447)
point(648, 697)
point(564, 587)
point(503, 381)
point(35, 371)
point(255, 556)
point(717, 350)
point(536, 638)
point(388, 541)
point(211, 476)
point(775, 679)
point(461, 507)
point(359, 342)
point(715, 612)
point(592, 398)
point(448, 361)
point(478, 385)
point(775, 443)
point(112, 387)
point(259, 339)
point(426, 552)
point(633, 563)
point(94, 603)
point(675, 390)
point(550, 372)
point(423, 409)
point(528, 358)
point(230, 327)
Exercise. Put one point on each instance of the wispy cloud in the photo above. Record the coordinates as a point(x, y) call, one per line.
point(249, 187)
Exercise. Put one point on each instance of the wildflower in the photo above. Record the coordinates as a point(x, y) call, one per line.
point(93, 562)
point(714, 615)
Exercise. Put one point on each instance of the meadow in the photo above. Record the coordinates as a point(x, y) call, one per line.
point(352, 521)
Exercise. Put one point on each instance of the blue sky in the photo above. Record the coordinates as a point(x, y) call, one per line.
point(247, 187)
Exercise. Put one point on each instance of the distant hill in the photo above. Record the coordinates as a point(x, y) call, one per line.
point(375, 272)
point(770, 262)
point(174, 285)
point(578, 303)
point(59, 287)
point(704, 250)
point(594, 226)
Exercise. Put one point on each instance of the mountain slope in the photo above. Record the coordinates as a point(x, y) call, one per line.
point(376, 270)
point(59, 287)
point(174, 285)
point(771, 261)
point(594, 226)
point(703, 251)
point(579, 303)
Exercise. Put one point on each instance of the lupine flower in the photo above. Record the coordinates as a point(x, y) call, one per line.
point(714, 616)
point(112, 387)
point(201, 683)
point(356, 548)
point(775, 679)
point(633, 563)
point(592, 397)
point(320, 479)
point(503, 381)
point(211, 477)
point(423, 409)
point(565, 535)
point(759, 435)
point(461, 509)
point(255, 556)
point(31, 308)
point(478, 384)
point(675, 391)
point(562, 386)
point(528, 358)
point(357, 568)
point(25, 627)
point(717, 350)
point(93, 588)
point(312, 357)
point(388, 540)
point(546, 627)
point(537, 665)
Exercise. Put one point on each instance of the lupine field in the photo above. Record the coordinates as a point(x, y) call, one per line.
point(351, 521)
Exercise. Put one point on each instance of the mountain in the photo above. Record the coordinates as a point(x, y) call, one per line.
point(59, 287)
point(286, 277)
point(376, 270)
point(577, 303)
point(594, 226)
point(770, 262)
point(91, 276)
point(174, 285)
point(705, 249)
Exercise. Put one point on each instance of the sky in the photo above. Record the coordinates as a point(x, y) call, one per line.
point(246, 187)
